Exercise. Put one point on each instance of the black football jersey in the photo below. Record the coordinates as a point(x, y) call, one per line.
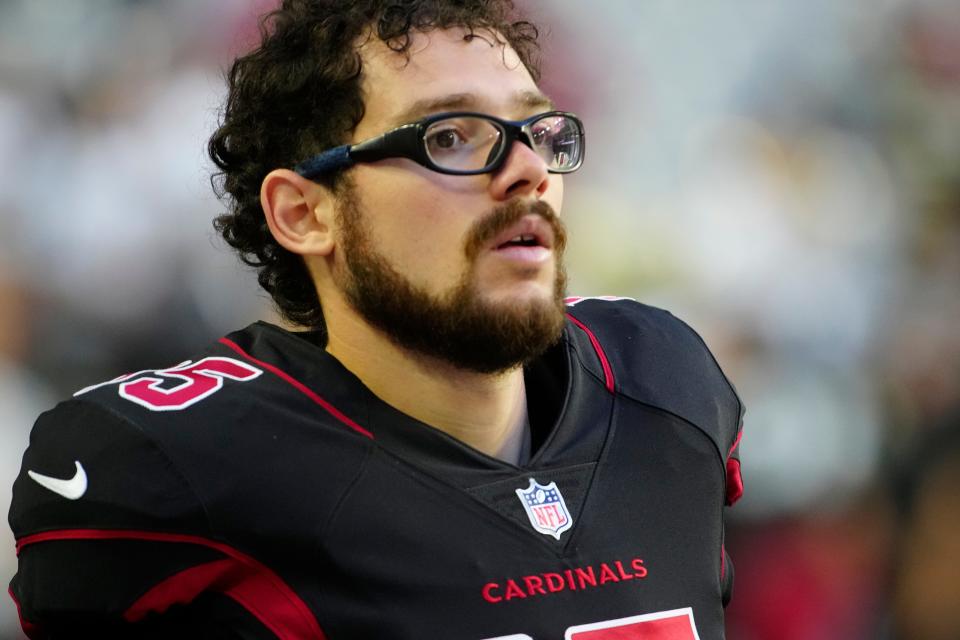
point(260, 490)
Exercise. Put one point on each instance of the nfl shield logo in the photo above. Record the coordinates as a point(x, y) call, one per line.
point(545, 507)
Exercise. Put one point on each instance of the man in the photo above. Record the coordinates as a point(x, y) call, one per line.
point(449, 451)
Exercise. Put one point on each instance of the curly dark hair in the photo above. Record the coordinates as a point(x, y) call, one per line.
point(299, 93)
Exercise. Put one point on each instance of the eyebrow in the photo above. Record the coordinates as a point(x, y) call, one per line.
point(466, 101)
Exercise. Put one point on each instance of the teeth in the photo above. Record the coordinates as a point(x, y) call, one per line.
point(523, 239)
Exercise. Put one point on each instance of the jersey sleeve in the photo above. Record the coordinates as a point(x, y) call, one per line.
point(109, 533)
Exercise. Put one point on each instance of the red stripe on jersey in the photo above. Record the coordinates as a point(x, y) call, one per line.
point(229, 577)
point(31, 630)
point(607, 370)
point(736, 443)
point(299, 386)
point(183, 587)
point(248, 582)
point(734, 479)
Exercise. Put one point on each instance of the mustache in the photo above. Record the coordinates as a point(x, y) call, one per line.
point(505, 216)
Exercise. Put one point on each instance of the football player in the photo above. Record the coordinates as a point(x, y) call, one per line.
point(443, 446)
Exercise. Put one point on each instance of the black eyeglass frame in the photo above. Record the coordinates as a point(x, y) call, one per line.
point(407, 141)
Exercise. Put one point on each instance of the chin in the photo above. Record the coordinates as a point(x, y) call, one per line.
point(531, 296)
point(539, 286)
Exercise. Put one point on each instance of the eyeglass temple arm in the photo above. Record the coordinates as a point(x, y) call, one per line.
point(344, 157)
point(327, 162)
point(401, 142)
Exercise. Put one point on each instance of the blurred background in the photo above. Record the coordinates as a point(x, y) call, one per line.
point(784, 175)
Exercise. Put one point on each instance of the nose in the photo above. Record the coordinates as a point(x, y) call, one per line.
point(523, 173)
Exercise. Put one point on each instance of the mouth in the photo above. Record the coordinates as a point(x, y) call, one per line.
point(528, 243)
point(531, 232)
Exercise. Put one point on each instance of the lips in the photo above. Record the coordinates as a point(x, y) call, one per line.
point(517, 229)
point(531, 231)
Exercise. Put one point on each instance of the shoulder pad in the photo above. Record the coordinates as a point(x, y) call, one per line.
point(172, 388)
point(88, 468)
point(655, 358)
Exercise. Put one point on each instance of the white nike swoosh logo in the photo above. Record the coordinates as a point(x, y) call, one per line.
point(72, 489)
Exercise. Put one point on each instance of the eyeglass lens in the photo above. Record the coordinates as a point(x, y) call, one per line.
point(557, 139)
point(462, 143)
point(470, 143)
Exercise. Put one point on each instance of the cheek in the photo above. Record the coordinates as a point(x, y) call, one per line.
point(416, 230)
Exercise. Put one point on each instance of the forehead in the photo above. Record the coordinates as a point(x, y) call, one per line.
point(444, 72)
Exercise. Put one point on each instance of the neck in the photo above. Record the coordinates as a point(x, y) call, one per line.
point(486, 411)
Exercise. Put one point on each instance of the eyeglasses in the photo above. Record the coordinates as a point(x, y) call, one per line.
point(463, 143)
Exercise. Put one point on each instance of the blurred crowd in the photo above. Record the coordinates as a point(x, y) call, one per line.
point(785, 176)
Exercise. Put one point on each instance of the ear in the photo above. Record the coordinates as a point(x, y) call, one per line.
point(299, 212)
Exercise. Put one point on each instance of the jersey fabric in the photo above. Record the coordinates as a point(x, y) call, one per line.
point(260, 490)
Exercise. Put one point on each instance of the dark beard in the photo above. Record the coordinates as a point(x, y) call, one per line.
point(458, 327)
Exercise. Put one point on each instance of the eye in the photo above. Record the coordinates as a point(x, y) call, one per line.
point(445, 138)
point(461, 143)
